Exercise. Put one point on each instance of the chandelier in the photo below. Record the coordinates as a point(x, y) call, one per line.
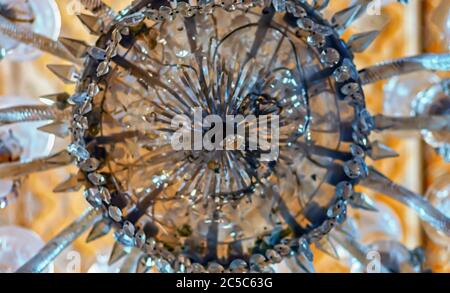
point(230, 208)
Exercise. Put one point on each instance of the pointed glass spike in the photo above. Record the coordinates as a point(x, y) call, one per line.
point(99, 230)
point(326, 246)
point(380, 183)
point(362, 201)
point(438, 62)
point(344, 18)
point(360, 42)
point(304, 263)
point(432, 123)
point(58, 99)
point(117, 253)
point(303, 248)
point(321, 4)
point(56, 245)
point(67, 73)
point(76, 47)
point(58, 128)
point(92, 23)
point(379, 151)
point(145, 263)
point(18, 169)
point(72, 184)
point(365, 5)
point(40, 42)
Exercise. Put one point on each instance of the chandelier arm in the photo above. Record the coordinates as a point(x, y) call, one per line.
point(38, 41)
point(431, 123)
point(356, 249)
point(438, 62)
point(38, 165)
point(55, 246)
point(380, 183)
point(29, 113)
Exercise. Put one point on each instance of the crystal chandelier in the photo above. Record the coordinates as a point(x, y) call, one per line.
point(225, 210)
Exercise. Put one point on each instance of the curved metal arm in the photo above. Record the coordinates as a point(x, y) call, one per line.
point(38, 41)
point(12, 170)
point(432, 123)
point(29, 113)
point(378, 182)
point(356, 249)
point(439, 62)
point(55, 246)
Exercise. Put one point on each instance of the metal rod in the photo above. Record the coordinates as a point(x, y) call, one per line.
point(28, 113)
point(36, 40)
point(17, 169)
point(356, 249)
point(439, 62)
point(55, 246)
point(432, 123)
point(380, 183)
